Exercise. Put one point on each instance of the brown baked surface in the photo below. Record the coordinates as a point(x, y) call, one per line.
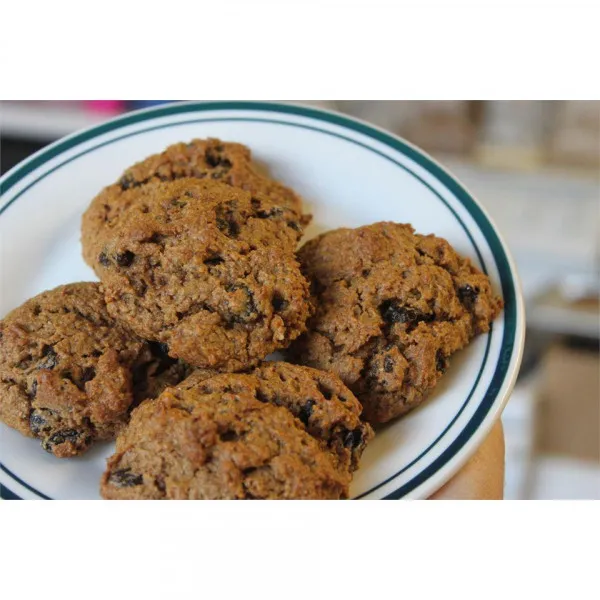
point(69, 374)
point(208, 270)
point(223, 439)
point(391, 306)
point(226, 162)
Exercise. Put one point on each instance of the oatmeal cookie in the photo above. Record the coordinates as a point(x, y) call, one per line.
point(227, 162)
point(208, 270)
point(212, 442)
point(69, 374)
point(391, 307)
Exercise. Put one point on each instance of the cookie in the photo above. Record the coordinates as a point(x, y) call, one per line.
point(325, 406)
point(219, 442)
point(213, 159)
point(69, 374)
point(208, 270)
point(391, 307)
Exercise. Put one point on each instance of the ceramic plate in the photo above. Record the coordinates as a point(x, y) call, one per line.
point(350, 174)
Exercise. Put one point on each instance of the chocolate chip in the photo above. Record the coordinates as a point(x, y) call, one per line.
point(388, 364)
point(124, 259)
point(441, 362)
point(50, 358)
point(103, 259)
point(468, 294)
point(306, 411)
point(353, 438)
point(278, 302)
point(393, 312)
point(125, 478)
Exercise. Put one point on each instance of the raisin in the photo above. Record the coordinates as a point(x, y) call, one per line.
point(468, 294)
point(226, 221)
point(88, 374)
point(267, 214)
point(38, 422)
point(214, 160)
point(33, 390)
point(325, 391)
point(441, 362)
point(213, 260)
point(353, 438)
point(306, 411)
point(161, 350)
point(261, 396)
point(250, 311)
point(124, 259)
point(103, 259)
point(278, 302)
point(229, 436)
point(126, 182)
point(388, 364)
point(393, 312)
point(62, 436)
point(125, 478)
point(294, 225)
point(50, 358)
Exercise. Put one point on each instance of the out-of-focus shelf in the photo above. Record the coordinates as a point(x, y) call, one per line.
point(46, 122)
point(555, 314)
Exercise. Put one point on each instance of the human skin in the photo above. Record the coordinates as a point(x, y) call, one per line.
point(482, 477)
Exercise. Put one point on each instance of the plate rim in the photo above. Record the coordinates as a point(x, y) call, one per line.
point(434, 475)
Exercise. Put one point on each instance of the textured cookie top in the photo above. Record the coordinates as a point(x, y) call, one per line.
point(216, 443)
point(391, 307)
point(69, 374)
point(208, 270)
point(228, 163)
point(328, 409)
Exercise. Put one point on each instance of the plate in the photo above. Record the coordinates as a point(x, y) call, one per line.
point(350, 173)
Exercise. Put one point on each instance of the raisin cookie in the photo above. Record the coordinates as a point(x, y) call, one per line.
point(208, 270)
point(327, 408)
point(69, 374)
point(391, 307)
point(226, 162)
point(240, 436)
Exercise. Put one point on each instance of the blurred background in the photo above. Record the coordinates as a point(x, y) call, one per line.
point(535, 166)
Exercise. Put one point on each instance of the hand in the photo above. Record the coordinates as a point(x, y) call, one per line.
point(482, 478)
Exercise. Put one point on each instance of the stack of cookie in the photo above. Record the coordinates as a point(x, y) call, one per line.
point(195, 249)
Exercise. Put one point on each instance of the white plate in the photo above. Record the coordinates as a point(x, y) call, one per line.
point(350, 174)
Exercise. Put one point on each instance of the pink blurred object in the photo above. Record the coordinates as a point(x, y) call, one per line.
point(105, 107)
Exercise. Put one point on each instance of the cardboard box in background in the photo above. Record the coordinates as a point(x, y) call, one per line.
point(569, 409)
